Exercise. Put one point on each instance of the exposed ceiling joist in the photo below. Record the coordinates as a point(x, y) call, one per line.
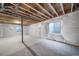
point(12, 20)
point(25, 14)
point(29, 11)
point(32, 13)
point(5, 15)
point(32, 16)
point(37, 11)
point(53, 9)
point(62, 8)
point(38, 19)
point(16, 21)
point(44, 9)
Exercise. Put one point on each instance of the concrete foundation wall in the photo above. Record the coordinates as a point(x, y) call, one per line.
point(1, 30)
point(9, 30)
point(69, 28)
point(25, 30)
point(39, 29)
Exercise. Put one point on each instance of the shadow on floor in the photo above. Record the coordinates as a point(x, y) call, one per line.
point(33, 52)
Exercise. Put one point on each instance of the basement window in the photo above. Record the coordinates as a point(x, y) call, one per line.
point(18, 28)
point(55, 27)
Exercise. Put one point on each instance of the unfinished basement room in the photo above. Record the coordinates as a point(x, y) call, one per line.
point(39, 29)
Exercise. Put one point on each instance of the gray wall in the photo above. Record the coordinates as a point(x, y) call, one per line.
point(39, 29)
point(1, 30)
point(69, 28)
point(26, 30)
point(9, 30)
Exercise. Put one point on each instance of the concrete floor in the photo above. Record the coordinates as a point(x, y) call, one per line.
point(42, 47)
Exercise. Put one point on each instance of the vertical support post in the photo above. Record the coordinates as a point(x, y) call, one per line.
point(22, 30)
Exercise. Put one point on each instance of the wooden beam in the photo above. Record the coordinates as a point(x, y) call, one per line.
point(25, 24)
point(9, 21)
point(32, 13)
point(36, 11)
point(62, 8)
point(17, 21)
point(37, 15)
point(44, 9)
point(24, 13)
point(38, 19)
point(72, 4)
point(53, 9)
point(5, 15)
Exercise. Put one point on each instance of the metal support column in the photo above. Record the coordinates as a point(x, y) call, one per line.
point(22, 30)
point(33, 52)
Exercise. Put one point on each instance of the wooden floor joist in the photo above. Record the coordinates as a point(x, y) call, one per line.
point(52, 8)
point(6, 15)
point(37, 15)
point(61, 4)
point(35, 12)
point(24, 13)
point(44, 10)
point(32, 13)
